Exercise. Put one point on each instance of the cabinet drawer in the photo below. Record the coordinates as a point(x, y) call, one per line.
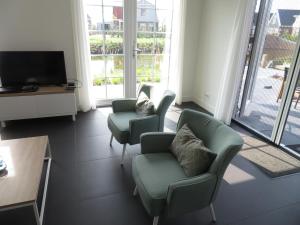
point(17, 107)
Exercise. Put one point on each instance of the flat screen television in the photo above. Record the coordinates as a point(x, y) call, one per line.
point(32, 67)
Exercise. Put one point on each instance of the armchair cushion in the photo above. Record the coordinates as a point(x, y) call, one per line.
point(124, 105)
point(155, 142)
point(190, 194)
point(118, 123)
point(191, 153)
point(153, 173)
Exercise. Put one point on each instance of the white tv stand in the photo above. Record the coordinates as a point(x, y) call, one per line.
point(46, 102)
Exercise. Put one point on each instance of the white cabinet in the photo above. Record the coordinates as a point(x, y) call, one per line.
point(47, 102)
point(56, 104)
point(20, 107)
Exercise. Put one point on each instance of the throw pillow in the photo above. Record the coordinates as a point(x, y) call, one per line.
point(191, 153)
point(144, 106)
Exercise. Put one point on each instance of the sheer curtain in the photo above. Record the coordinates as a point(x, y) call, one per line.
point(82, 56)
point(177, 45)
point(235, 61)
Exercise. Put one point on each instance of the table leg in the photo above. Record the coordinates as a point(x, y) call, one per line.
point(49, 158)
point(36, 214)
point(48, 151)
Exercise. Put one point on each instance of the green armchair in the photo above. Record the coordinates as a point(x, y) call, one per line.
point(126, 125)
point(161, 182)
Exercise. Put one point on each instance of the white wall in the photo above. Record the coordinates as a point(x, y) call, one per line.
point(192, 35)
point(47, 25)
point(216, 23)
point(38, 25)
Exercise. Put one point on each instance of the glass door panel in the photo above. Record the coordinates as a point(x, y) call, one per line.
point(154, 19)
point(112, 47)
point(105, 25)
point(267, 71)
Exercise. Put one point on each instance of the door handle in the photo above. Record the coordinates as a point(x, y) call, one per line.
point(135, 51)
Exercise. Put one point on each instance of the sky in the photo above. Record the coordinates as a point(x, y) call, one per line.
point(283, 4)
point(95, 9)
point(286, 4)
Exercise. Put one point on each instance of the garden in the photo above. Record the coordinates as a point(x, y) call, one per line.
point(108, 61)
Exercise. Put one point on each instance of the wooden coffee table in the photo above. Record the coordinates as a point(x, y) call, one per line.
point(19, 186)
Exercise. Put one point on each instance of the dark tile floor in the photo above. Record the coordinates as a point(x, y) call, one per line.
point(87, 186)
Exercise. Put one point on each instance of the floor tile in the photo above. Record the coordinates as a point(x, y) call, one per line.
point(88, 186)
point(104, 177)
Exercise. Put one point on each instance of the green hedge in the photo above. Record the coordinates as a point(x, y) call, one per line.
point(98, 81)
point(114, 45)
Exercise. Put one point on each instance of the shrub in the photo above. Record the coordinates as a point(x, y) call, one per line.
point(114, 45)
point(98, 81)
point(157, 78)
point(116, 80)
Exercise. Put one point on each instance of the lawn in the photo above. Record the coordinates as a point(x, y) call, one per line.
point(148, 69)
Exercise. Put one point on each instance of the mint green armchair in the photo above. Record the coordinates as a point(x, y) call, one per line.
point(160, 181)
point(126, 125)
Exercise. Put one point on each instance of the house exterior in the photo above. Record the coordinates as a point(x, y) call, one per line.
point(146, 16)
point(282, 21)
point(147, 19)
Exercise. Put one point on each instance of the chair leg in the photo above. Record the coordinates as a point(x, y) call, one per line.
point(155, 220)
point(212, 211)
point(111, 139)
point(123, 154)
point(135, 191)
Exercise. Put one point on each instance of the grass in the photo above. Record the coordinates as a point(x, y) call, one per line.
point(147, 70)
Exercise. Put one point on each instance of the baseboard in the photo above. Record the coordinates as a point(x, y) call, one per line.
point(187, 99)
point(204, 104)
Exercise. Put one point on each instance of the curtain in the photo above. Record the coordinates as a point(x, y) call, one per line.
point(235, 60)
point(177, 45)
point(82, 56)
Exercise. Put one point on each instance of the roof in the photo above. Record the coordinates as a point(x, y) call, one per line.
point(287, 16)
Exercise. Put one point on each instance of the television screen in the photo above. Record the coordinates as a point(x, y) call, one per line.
point(41, 68)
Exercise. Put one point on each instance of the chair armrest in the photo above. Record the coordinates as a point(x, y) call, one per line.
point(191, 194)
point(154, 142)
point(142, 125)
point(124, 105)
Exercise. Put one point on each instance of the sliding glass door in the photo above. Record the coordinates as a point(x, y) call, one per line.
point(129, 44)
point(270, 88)
point(291, 133)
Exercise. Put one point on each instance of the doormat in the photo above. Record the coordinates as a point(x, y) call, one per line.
point(271, 160)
